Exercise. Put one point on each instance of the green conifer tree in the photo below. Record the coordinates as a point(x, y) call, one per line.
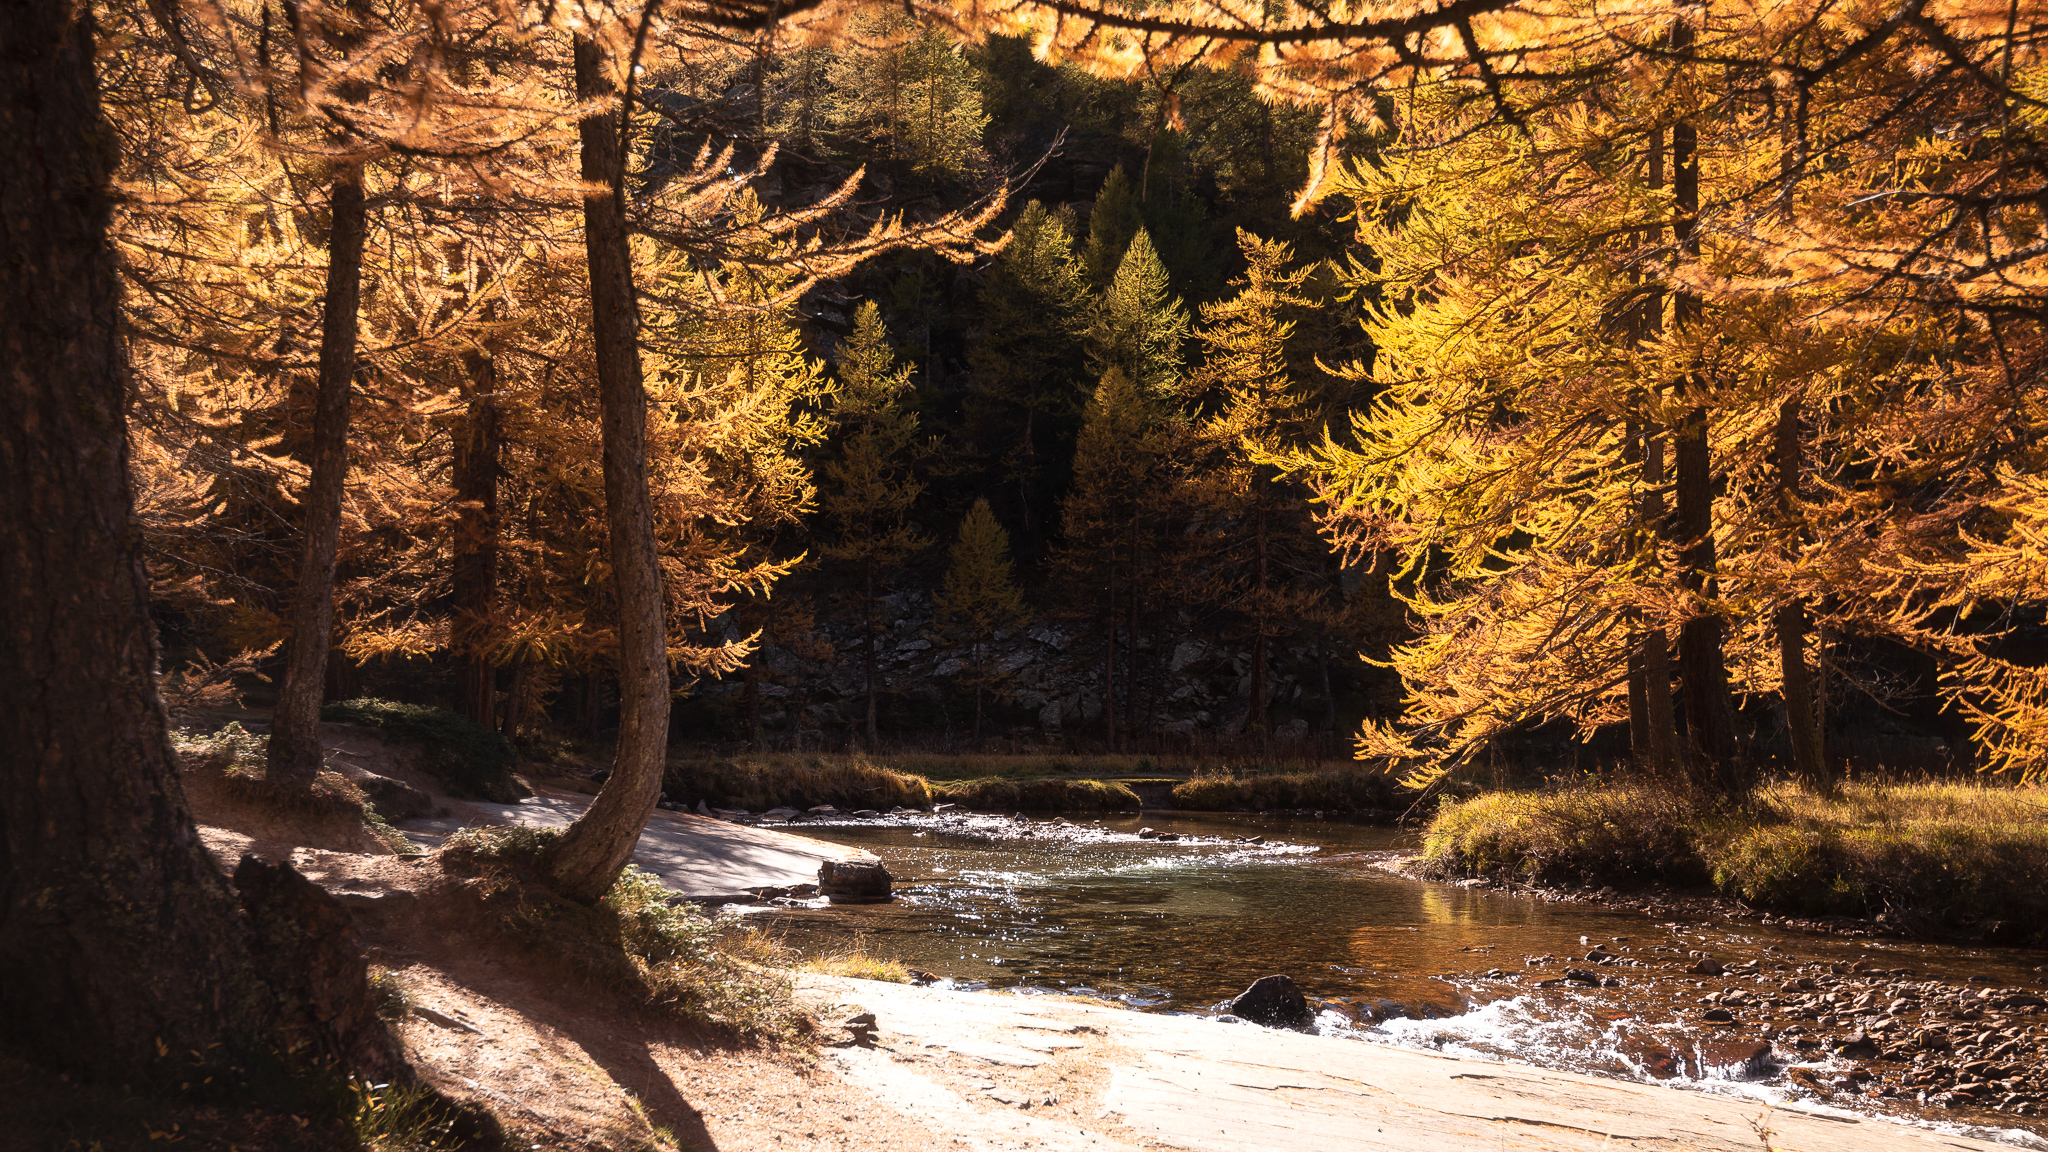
point(1028, 362)
point(868, 486)
point(980, 598)
point(1110, 519)
point(907, 86)
point(1110, 228)
point(1139, 327)
point(1265, 568)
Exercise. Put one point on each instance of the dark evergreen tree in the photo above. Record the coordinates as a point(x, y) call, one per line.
point(868, 488)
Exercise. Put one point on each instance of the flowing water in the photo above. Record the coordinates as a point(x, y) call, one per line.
point(1089, 908)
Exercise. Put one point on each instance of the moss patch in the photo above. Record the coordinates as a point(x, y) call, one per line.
point(1040, 794)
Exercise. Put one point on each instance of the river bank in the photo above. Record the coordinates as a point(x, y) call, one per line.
point(1003, 1071)
point(1051, 783)
point(1927, 860)
point(1183, 919)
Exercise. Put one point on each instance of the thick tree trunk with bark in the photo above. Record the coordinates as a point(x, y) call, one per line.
point(295, 754)
point(1713, 763)
point(1808, 757)
point(475, 575)
point(1657, 749)
point(595, 849)
point(119, 939)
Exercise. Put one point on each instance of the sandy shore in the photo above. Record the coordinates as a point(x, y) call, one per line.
point(1003, 1071)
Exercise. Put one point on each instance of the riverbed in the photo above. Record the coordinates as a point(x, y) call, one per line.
point(1181, 924)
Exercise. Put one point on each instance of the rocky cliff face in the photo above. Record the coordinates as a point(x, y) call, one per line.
point(1188, 687)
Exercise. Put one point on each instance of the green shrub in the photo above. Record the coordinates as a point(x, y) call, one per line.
point(472, 760)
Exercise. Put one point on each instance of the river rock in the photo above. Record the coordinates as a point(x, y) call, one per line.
point(1718, 1016)
point(1707, 966)
point(1857, 1046)
point(395, 799)
point(1274, 1001)
point(854, 881)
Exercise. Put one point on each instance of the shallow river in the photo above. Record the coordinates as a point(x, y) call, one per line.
point(1091, 909)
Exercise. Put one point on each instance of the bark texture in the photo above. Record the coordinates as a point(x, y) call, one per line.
point(116, 930)
point(595, 849)
point(475, 574)
point(1713, 763)
point(1808, 756)
point(295, 753)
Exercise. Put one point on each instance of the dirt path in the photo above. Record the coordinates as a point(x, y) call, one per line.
point(698, 856)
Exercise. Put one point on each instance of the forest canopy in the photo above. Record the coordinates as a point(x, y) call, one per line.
point(1610, 371)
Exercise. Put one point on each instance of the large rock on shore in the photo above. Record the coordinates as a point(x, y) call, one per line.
point(1275, 1002)
point(854, 881)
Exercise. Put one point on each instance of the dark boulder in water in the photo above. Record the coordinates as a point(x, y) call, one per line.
point(1275, 1002)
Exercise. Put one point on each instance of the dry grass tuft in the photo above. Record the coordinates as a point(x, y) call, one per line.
point(852, 959)
point(1249, 789)
point(998, 793)
point(760, 783)
point(853, 782)
point(1930, 858)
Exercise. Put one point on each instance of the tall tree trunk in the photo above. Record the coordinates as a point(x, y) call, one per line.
point(868, 650)
point(515, 698)
point(295, 754)
point(119, 939)
point(980, 677)
point(1132, 589)
point(1807, 761)
point(475, 576)
point(1323, 675)
point(1659, 717)
point(1653, 724)
point(1638, 685)
point(1255, 717)
point(1024, 474)
point(1713, 763)
point(1109, 657)
point(753, 703)
point(595, 849)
